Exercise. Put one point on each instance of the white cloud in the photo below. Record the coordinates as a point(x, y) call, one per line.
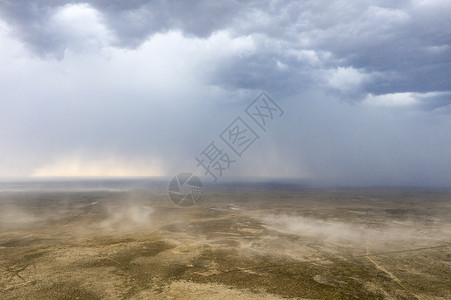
point(346, 79)
point(431, 3)
point(434, 50)
point(403, 99)
point(281, 66)
point(308, 55)
point(395, 99)
point(385, 17)
point(80, 26)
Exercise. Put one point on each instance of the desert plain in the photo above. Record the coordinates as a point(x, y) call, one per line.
point(124, 239)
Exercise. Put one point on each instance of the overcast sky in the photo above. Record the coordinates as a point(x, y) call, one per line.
point(138, 88)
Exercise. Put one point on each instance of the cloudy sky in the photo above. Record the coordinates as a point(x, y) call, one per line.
point(139, 88)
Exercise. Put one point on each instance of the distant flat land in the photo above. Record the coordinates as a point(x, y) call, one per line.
point(126, 240)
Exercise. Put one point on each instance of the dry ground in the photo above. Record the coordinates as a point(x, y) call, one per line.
point(243, 242)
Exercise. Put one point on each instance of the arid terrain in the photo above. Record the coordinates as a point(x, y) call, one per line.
point(126, 240)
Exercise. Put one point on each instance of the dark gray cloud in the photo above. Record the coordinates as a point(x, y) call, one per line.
point(131, 22)
point(365, 85)
point(405, 47)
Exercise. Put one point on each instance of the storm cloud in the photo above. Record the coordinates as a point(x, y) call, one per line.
point(134, 88)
